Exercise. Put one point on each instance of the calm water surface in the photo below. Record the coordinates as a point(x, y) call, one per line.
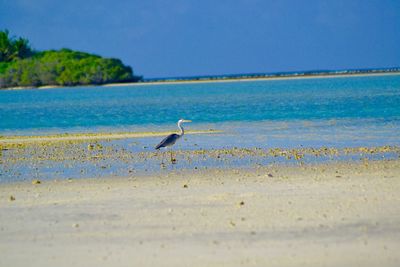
point(345, 111)
point(151, 107)
point(324, 112)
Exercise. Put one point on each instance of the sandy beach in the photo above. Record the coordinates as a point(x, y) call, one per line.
point(81, 137)
point(316, 184)
point(331, 214)
point(199, 134)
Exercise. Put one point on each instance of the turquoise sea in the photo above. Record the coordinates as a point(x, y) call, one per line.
point(370, 104)
point(341, 112)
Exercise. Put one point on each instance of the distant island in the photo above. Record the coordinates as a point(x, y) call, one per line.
point(274, 75)
point(21, 66)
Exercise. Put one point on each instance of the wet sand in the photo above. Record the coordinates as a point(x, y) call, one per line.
point(4, 140)
point(331, 214)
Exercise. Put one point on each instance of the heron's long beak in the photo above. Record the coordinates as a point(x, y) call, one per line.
point(186, 121)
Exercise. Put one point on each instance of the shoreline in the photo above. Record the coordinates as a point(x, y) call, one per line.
point(91, 136)
point(272, 78)
point(334, 214)
point(222, 80)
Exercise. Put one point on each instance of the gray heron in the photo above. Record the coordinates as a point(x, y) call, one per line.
point(171, 139)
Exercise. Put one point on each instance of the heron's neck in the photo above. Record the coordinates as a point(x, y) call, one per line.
point(181, 128)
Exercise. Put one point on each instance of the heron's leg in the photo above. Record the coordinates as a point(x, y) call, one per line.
point(173, 160)
point(162, 160)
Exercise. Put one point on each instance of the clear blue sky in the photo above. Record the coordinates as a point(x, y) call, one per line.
point(161, 38)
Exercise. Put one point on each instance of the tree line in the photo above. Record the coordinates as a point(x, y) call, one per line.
point(20, 65)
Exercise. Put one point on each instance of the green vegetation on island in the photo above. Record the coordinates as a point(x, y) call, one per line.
point(20, 65)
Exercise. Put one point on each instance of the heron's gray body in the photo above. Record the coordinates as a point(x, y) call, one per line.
point(168, 141)
point(172, 138)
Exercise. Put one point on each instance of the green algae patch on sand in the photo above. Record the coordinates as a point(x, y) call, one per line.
point(6, 141)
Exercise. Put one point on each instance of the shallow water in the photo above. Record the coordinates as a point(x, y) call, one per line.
point(159, 106)
point(131, 157)
point(258, 115)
